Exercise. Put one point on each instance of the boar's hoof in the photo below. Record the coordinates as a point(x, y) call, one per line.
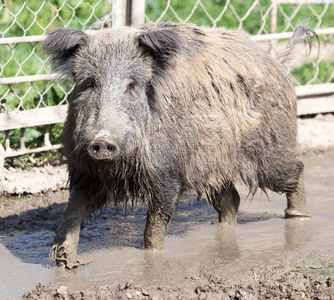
point(58, 254)
point(294, 213)
point(103, 148)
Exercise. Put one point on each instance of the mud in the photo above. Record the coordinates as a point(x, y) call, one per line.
point(264, 257)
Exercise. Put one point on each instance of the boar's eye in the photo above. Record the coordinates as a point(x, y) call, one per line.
point(131, 86)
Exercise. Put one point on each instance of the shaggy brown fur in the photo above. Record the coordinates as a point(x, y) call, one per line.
point(162, 109)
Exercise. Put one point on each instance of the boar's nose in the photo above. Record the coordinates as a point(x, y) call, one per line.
point(103, 148)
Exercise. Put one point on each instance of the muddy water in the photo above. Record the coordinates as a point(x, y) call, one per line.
point(195, 245)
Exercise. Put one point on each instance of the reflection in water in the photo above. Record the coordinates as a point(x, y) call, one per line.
point(298, 232)
point(224, 249)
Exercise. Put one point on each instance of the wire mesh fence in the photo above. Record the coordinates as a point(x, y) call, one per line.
point(22, 21)
point(33, 104)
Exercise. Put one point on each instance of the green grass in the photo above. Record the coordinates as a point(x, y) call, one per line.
point(39, 16)
point(326, 269)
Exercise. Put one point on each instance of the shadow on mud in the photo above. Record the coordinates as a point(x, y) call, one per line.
point(29, 235)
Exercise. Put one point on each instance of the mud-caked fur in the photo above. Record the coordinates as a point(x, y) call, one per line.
point(190, 108)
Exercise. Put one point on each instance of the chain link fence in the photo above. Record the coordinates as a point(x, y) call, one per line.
point(33, 105)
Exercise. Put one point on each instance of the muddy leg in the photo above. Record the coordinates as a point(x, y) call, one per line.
point(157, 221)
point(226, 203)
point(64, 250)
point(297, 200)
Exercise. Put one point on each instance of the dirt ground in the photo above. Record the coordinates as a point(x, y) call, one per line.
point(264, 257)
point(268, 282)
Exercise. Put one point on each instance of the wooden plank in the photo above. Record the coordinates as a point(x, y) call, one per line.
point(30, 78)
point(13, 153)
point(57, 114)
point(119, 17)
point(22, 39)
point(288, 35)
point(314, 90)
point(33, 117)
point(310, 106)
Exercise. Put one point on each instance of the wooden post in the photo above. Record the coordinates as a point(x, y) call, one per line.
point(7, 141)
point(119, 13)
point(2, 159)
point(137, 12)
point(47, 142)
point(273, 27)
point(128, 12)
point(22, 142)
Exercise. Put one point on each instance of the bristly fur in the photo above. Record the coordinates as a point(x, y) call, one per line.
point(216, 109)
point(62, 44)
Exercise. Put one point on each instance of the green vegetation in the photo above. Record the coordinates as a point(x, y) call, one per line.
point(34, 137)
point(236, 17)
point(25, 18)
point(305, 72)
point(39, 16)
point(326, 269)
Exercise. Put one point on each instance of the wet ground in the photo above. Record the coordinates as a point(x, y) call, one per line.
point(196, 251)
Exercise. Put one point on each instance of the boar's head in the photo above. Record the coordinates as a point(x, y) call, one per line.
point(113, 100)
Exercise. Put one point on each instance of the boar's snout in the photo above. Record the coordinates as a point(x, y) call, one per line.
point(103, 147)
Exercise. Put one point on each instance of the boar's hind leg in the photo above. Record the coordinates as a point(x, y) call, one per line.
point(64, 250)
point(297, 200)
point(226, 203)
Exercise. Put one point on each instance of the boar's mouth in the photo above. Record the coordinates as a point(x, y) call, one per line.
point(103, 148)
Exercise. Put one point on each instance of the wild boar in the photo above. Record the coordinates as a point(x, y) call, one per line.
point(162, 109)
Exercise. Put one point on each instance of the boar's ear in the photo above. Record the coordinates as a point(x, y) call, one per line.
point(161, 43)
point(61, 45)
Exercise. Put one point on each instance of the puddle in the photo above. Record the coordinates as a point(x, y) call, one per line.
point(195, 242)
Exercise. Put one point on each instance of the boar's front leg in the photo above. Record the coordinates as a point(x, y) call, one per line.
point(159, 213)
point(64, 250)
point(226, 203)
